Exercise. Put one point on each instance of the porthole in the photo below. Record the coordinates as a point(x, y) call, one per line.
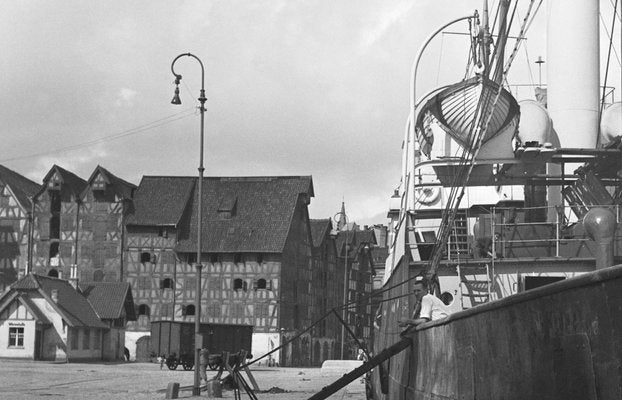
point(447, 298)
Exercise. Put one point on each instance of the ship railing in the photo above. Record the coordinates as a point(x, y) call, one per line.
point(563, 230)
point(502, 232)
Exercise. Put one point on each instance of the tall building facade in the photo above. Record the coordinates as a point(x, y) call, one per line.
point(81, 223)
point(264, 262)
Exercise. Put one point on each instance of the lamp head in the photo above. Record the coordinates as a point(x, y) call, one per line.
point(176, 99)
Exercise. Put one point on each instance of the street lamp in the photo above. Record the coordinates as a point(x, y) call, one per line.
point(196, 390)
point(334, 234)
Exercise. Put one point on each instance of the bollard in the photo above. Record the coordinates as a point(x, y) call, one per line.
point(172, 390)
point(214, 390)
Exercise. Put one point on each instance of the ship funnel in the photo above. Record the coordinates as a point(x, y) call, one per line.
point(600, 225)
point(573, 71)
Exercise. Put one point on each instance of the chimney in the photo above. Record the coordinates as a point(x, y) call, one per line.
point(73, 276)
point(54, 295)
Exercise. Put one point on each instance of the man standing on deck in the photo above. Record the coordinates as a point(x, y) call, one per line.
point(428, 307)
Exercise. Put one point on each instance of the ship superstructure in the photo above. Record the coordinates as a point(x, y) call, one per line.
point(499, 196)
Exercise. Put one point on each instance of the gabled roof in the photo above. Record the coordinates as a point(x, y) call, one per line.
point(23, 188)
point(161, 200)
point(319, 228)
point(71, 182)
point(240, 214)
point(11, 296)
point(354, 238)
point(260, 221)
point(120, 187)
point(111, 300)
point(71, 305)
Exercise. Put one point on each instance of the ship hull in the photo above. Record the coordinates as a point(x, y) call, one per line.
point(560, 341)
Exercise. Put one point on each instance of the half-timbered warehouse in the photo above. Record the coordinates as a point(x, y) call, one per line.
point(80, 223)
point(354, 247)
point(56, 216)
point(16, 192)
point(256, 253)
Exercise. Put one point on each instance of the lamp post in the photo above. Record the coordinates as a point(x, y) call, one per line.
point(345, 277)
point(196, 390)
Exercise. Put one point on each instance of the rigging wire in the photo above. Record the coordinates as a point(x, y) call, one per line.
point(470, 154)
point(104, 139)
point(602, 100)
point(610, 37)
point(615, 10)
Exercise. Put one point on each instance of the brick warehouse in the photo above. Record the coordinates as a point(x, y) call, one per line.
point(265, 263)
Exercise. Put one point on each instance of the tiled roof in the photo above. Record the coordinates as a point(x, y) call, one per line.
point(23, 188)
point(365, 236)
point(355, 239)
point(244, 214)
point(319, 228)
point(71, 182)
point(73, 306)
point(110, 300)
point(161, 200)
point(121, 188)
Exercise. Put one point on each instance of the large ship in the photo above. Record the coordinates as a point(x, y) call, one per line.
point(510, 207)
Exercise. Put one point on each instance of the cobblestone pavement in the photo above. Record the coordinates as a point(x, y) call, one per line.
point(90, 381)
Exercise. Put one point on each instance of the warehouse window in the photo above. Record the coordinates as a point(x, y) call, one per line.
point(238, 284)
point(166, 283)
point(146, 257)
point(143, 309)
point(261, 283)
point(98, 276)
point(16, 337)
point(189, 309)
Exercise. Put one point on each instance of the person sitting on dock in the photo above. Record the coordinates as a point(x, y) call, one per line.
point(428, 307)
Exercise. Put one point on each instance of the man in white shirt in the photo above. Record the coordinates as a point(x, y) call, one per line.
point(428, 307)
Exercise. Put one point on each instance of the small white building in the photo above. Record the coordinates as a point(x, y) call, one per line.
point(46, 318)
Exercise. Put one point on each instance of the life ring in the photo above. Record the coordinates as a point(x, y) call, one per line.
point(428, 195)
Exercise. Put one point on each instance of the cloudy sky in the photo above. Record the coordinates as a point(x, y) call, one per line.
point(315, 88)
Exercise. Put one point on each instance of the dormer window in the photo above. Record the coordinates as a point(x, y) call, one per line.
point(227, 206)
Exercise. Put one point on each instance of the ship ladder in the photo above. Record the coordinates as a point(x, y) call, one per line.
point(363, 369)
point(458, 243)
